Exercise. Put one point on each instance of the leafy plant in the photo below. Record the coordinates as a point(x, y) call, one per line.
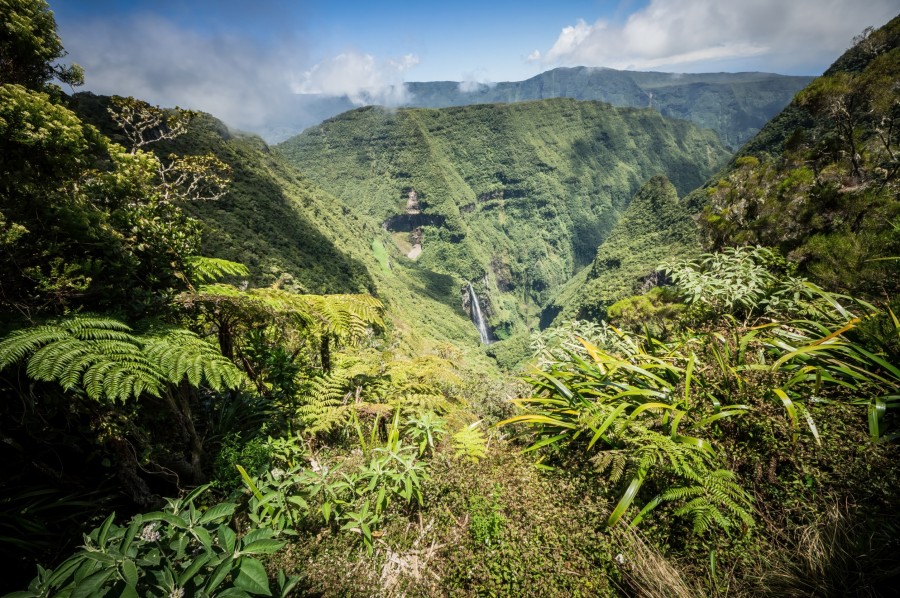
point(486, 520)
point(175, 552)
point(469, 442)
point(640, 407)
point(108, 361)
point(425, 428)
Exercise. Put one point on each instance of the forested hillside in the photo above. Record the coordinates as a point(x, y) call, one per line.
point(235, 370)
point(734, 105)
point(820, 181)
point(657, 227)
point(514, 198)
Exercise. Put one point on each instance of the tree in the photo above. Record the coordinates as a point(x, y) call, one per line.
point(29, 46)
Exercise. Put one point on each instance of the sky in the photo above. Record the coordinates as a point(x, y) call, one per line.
point(251, 63)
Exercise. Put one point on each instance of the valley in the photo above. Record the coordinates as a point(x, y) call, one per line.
point(595, 333)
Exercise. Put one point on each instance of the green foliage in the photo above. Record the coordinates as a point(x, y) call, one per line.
point(655, 310)
point(425, 428)
point(486, 520)
point(735, 105)
point(820, 181)
point(175, 552)
point(357, 499)
point(636, 405)
point(103, 358)
point(269, 218)
point(517, 196)
point(29, 46)
point(470, 443)
point(742, 281)
point(656, 226)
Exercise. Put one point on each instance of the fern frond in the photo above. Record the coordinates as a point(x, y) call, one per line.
point(179, 353)
point(207, 269)
point(470, 443)
point(108, 361)
point(326, 405)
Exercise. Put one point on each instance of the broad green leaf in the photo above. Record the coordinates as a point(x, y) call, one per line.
point(252, 577)
point(196, 564)
point(220, 511)
point(598, 433)
point(791, 410)
point(876, 411)
point(265, 546)
point(90, 586)
point(626, 500)
point(536, 419)
point(129, 572)
point(544, 442)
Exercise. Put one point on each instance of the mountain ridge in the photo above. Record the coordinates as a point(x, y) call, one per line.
point(735, 105)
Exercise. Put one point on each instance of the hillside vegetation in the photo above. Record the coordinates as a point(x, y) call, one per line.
point(514, 198)
point(820, 181)
point(320, 418)
point(735, 105)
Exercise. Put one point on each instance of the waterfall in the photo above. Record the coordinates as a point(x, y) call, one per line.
point(477, 317)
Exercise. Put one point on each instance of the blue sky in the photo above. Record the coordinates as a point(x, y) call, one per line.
point(244, 61)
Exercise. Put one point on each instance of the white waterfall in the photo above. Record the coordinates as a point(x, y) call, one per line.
point(477, 317)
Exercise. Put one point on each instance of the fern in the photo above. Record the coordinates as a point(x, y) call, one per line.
point(326, 407)
point(178, 353)
point(469, 443)
point(207, 269)
point(716, 498)
point(613, 461)
point(106, 360)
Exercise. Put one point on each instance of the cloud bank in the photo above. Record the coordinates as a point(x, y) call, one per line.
point(250, 85)
point(360, 77)
point(709, 35)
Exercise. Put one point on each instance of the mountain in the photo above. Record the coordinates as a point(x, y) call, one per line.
point(271, 219)
point(735, 105)
point(513, 198)
point(819, 181)
point(656, 227)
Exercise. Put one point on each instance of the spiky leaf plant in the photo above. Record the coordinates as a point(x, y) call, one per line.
point(637, 416)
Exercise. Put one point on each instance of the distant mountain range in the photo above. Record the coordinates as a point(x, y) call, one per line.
point(735, 105)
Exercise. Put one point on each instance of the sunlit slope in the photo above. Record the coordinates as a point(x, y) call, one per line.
point(513, 197)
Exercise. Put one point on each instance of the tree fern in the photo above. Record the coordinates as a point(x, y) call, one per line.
point(106, 360)
point(202, 269)
point(326, 406)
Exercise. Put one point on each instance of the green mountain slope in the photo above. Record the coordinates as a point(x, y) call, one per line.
point(513, 197)
point(735, 105)
point(655, 228)
point(271, 219)
point(820, 180)
point(292, 233)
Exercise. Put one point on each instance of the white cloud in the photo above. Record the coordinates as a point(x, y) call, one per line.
point(474, 81)
point(360, 77)
point(534, 56)
point(247, 84)
point(696, 35)
point(151, 58)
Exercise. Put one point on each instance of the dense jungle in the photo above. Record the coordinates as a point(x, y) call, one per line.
point(531, 346)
